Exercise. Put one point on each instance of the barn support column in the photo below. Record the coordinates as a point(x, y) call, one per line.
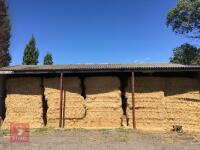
point(61, 101)
point(2, 95)
point(198, 76)
point(63, 110)
point(133, 100)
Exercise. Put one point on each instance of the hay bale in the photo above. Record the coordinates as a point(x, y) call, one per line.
point(182, 103)
point(103, 102)
point(182, 88)
point(24, 102)
point(164, 102)
point(74, 102)
point(149, 107)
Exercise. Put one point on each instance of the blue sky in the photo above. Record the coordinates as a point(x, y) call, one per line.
point(94, 31)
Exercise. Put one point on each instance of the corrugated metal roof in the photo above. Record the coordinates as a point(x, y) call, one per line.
point(99, 68)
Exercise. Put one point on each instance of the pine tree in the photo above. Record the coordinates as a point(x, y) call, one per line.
point(31, 53)
point(5, 35)
point(48, 60)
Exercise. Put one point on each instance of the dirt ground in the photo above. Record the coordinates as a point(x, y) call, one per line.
point(118, 139)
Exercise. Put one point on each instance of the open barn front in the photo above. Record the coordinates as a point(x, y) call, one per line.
point(114, 97)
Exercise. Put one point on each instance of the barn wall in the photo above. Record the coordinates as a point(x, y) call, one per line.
point(24, 102)
point(163, 102)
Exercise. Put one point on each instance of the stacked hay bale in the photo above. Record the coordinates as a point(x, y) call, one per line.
point(103, 102)
point(183, 103)
point(52, 96)
point(149, 105)
point(75, 109)
point(24, 102)
point(74, 102)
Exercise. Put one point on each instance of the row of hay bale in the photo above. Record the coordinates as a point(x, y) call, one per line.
point(160, 102)
point(101, 108)
point(164, 102)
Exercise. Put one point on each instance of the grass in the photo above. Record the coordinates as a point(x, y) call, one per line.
point(122, 135)
point(105, 131)
point(46, 130)
point(4, 132)
point(42, 130)
point(76, 129)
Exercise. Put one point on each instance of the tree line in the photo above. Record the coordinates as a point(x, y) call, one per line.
point(184, 19)
point(31, 53)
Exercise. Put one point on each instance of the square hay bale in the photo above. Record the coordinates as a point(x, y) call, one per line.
point(103, 102)
point(173, 101)
point(74, 102)
point(182, 103)
point(24, 102)
point(183, 112)
point(182, 88)
point(146, 84)
point(149, 103)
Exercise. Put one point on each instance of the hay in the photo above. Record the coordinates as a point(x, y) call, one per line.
point(74, 102)
point(164, 102)
point(182, 103)
point(24, 102)
point(101, 109)
point(149, 106)
point(160, 103)
point(103, 102)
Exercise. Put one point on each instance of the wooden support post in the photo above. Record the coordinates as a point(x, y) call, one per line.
point(61, 99)
point(198, 76)
point(63, 113)
point(133, 100)
point(2, 96)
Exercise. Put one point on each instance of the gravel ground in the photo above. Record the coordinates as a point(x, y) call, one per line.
point(119, 139)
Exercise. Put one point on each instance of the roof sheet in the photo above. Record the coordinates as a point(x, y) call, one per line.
point(99, 68)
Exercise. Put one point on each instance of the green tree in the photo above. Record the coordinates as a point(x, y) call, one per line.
point(31, 53)
point(185, 18)
point(186, 54)
point(5, 35)
point(48, 60)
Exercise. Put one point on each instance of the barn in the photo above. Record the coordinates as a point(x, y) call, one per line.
point(150, 97)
